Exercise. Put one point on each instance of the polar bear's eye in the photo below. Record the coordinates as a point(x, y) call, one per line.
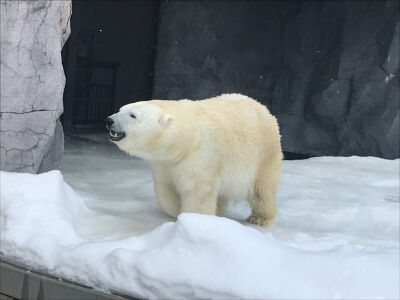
point(133, 116)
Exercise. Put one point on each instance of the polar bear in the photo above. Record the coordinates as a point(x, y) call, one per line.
point(205, 153)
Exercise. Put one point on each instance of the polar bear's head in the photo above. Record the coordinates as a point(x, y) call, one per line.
point(141, 129)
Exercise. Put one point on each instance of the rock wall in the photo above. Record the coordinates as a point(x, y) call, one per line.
point(328, 70)
point(32, 83)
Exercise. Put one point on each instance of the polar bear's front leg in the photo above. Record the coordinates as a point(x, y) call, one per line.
point(167, 198)
point(199, 196)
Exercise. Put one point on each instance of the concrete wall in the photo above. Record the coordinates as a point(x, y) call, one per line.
point(32, 83)
point(328, 70)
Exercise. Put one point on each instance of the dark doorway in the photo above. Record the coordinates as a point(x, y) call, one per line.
point(108, 59)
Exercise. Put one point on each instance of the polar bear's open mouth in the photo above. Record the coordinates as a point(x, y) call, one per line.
point(116, 136)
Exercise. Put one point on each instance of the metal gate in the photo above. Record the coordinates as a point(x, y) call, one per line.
point(95, 96)
point(108, 59)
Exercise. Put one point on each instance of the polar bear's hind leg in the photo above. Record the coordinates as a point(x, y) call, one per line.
point(263, 198)
point(221, 206)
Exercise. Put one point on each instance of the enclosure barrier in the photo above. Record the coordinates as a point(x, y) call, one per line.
point(16, 282)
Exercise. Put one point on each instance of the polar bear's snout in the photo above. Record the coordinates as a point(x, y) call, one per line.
point(109, 122)
point(116, 134)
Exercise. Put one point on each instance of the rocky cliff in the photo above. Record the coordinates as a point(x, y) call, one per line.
point(328, 70)
point(32, 83)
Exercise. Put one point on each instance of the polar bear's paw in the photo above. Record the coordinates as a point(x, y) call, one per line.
point(261, 221)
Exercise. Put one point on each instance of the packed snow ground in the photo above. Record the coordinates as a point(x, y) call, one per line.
point(337, 234)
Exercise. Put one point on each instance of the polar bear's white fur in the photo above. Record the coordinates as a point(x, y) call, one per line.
point(205, 153)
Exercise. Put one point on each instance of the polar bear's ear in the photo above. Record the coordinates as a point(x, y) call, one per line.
point(165, 119)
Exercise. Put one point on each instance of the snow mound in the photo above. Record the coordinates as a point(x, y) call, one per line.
point(336, 237)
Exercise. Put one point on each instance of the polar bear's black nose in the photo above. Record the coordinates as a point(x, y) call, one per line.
point(109, 122)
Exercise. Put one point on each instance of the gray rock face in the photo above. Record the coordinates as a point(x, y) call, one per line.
point(328, 70)
point(32, 83)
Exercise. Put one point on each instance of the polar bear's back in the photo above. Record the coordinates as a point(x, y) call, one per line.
point(231, 126)
point(241, 124)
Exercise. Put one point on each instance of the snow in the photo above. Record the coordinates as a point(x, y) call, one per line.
point(389, 77)
point(337, 234)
